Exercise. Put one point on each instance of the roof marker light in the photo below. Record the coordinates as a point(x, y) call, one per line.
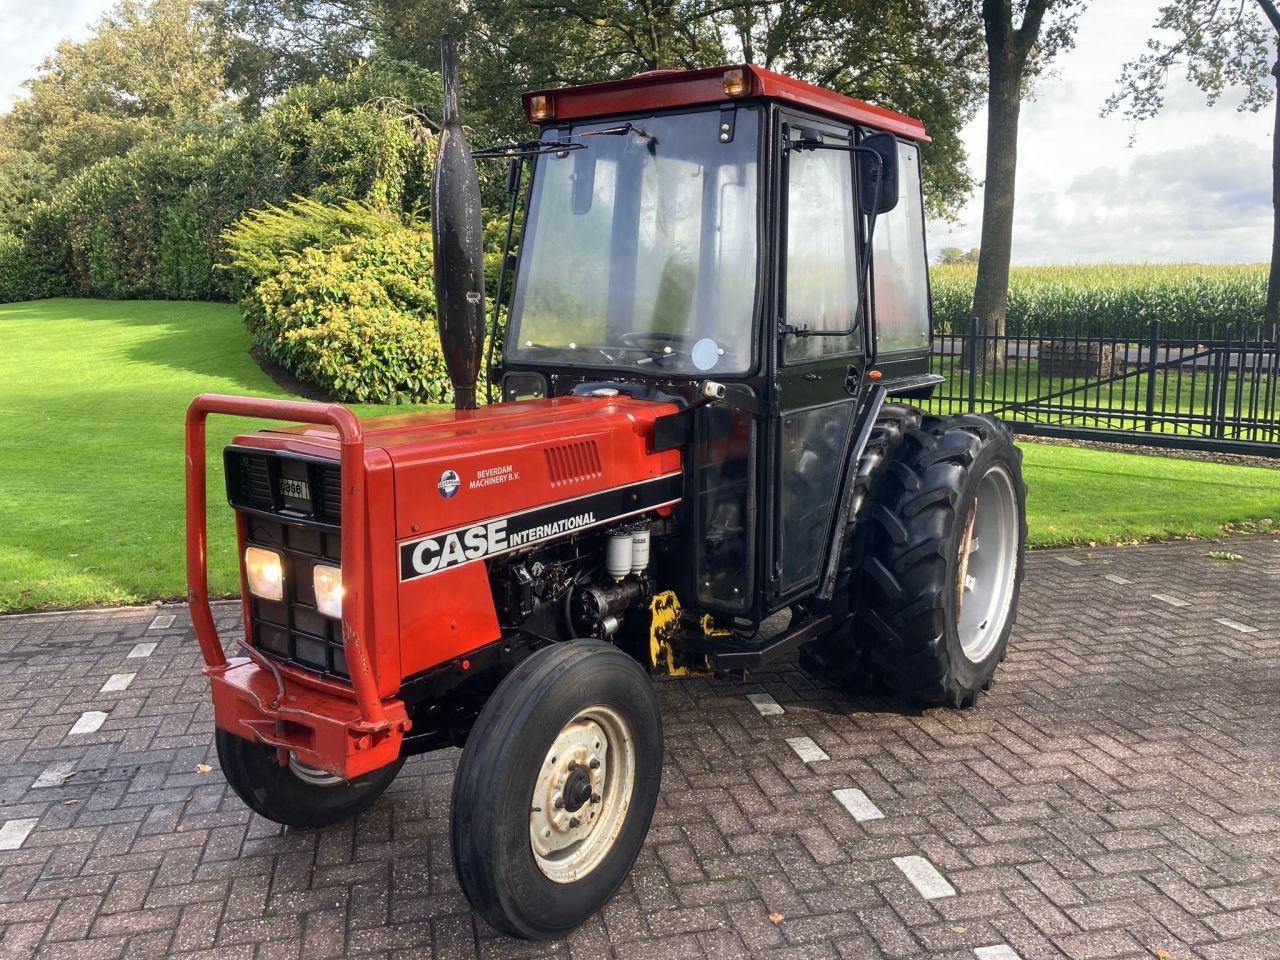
point(734, 82)
point(540, 108)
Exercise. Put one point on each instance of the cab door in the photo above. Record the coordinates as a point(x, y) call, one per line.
point(820, 348)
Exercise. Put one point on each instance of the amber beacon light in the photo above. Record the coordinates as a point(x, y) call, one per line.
point(735, 83)
point(540, 108)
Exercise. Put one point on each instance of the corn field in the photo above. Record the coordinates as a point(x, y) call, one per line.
point(1090, 300)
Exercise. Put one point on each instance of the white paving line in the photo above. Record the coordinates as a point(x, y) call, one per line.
point(142, 650)
point(89, 722)
point(1001, 951)
point(807, 750)
point(162, 622)
point(1172, 601)
point(54, 775)
point(1071, 561)
point(858, 804)
point(1116, 579)
point(765, 705)
point(1236, 625)
point(924, 876)
point(117, 682)
point(15, 832)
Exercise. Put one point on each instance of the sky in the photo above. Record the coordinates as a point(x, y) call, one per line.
point(1195, 186)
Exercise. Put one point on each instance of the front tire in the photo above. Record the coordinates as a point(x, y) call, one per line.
point(944, 564)
point(295, 795)
point(556, 788)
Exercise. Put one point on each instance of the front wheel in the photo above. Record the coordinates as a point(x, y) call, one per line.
point(556, 788)
point(296, 795)
point(940, 581)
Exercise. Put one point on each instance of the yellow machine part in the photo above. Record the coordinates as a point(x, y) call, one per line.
point(664, 618)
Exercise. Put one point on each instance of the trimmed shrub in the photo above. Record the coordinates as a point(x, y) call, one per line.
point(259, 242)
point(357, 319)
point(24, 273)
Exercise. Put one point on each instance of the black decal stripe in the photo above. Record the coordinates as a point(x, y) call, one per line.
point(607, 506)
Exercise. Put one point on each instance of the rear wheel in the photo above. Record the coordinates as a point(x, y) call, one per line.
point(296, 795)
point(939, 584)
point(556, 788)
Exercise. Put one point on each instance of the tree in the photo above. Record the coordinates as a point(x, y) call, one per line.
point(268, 47)
point(1220, 44)
point(148, 68)
point(954, 256)
point(1015, 55)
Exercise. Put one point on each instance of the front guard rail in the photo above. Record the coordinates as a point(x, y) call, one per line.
point(354, 531)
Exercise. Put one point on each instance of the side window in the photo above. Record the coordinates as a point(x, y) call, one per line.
point(822, 253)
point(900, 271)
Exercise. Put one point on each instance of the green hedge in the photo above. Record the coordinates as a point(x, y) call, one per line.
point(1110, 299)
point(357, 319)
point(25, 274)
point(150, 223)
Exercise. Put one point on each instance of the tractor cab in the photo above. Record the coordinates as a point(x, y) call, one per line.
point(738, 227)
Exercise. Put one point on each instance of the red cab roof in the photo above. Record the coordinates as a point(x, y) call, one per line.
point(662, 89)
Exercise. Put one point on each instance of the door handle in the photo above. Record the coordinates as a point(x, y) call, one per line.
point(851, 380)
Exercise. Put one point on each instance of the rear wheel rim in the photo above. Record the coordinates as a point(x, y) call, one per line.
point(987, 565)
point(582, 794)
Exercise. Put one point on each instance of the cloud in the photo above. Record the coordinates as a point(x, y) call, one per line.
point(1195, 184)
point(29, 32)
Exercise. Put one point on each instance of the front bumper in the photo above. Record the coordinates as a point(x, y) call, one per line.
point(320, 728)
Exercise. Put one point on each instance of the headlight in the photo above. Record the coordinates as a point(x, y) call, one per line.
point(328, 584)
point(264, 569)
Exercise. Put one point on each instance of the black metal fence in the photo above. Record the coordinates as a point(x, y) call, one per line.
point(1216, 390)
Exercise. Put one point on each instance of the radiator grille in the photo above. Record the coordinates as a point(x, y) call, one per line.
point(573, 462)
point(254, 482)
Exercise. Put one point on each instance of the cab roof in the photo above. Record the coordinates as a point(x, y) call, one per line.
point(662, 89)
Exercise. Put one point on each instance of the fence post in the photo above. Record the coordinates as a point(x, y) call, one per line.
point(1151, 374)
point(973, 363)
point(1222, 371)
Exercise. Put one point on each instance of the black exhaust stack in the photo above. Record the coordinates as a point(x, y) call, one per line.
point(457, 231)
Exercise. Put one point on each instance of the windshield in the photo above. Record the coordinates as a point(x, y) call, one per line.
point(640, 250)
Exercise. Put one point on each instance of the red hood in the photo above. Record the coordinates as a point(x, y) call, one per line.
point(507, 457)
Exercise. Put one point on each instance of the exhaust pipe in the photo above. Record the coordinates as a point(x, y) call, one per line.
point(457, 231)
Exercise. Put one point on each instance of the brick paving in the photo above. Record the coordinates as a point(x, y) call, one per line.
point(1114, 796)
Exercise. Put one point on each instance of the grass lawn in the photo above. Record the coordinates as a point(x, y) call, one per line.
point(92, 398)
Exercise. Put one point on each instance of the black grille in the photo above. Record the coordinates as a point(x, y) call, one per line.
point(272, 482)
point(331, 495)
point(256, 481)
point(293, 630)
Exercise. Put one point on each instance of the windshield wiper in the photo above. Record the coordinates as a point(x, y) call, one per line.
point(527, 148)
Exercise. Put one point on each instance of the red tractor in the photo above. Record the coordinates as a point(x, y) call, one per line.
point(700, 462)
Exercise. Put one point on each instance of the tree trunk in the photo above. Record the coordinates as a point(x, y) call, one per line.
point(991, 295)
point(1271, 326)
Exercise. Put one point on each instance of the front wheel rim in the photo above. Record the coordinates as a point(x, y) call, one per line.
point(582, 794)
point(987, 565)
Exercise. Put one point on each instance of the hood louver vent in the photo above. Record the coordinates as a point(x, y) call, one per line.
point(572, 462)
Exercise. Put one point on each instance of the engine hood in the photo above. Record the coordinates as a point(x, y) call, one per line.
point(458, 467)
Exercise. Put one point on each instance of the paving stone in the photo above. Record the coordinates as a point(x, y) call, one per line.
point(1111, 796)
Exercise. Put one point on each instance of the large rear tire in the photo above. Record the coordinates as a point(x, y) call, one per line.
point(556, 788)
point(295, 795)
point(944, 560)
